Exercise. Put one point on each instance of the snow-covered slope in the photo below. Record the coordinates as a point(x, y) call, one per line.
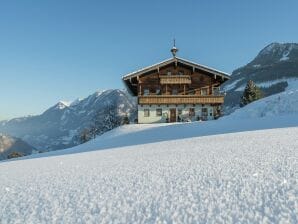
point(241, 168)
point(281, 104)
point(59, 126)
point(238, 177)
point(272, 70)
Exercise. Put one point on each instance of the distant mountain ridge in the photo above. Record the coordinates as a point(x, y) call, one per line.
point(271, 69)
point(59, 126)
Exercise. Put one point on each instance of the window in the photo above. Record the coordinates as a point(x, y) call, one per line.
point(180, 73)
point(191, 92)
point(146, 113)
point(158, 112)
point(192, 112)
point(157, 91)
point(169, 73)
point(216, 91)
point(204, 91)
point(179, 111)
point(146, 92)
point(174, 91)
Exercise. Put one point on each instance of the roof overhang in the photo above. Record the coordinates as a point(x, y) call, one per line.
point(127, 79)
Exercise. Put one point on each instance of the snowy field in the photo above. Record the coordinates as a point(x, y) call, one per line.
point(242, 168)
point(238, 177)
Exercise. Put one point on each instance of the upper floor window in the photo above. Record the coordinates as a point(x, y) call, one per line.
point(157, 91)
point(169, 73)
point(204, 91)
point(180, 73)
point(216, 91)
point(191, 92)
point(146, 92)
point(174, 91)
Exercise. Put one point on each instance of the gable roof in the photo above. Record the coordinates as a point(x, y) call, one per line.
point(177, 60)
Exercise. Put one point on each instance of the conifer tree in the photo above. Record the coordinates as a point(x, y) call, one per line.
point(250, 94)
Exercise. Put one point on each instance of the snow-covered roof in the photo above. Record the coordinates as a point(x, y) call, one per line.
point(172, 60)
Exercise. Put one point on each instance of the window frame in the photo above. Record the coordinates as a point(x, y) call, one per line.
point(174, 91)
point(146, 92)
point(158, 112)
point(202, 89)
point(191, 112)
point(146, 113)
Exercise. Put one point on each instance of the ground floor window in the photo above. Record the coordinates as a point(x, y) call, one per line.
point(146, 113)
point(192, 112)
point(159, 112)
point(179, 111)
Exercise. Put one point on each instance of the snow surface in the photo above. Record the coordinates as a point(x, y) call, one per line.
point(207, 179)
point(281, 104)
point(242, 168)
point(285, 56)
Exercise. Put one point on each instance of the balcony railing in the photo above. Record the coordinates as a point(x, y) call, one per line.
point(175, 79)
point(181, 99)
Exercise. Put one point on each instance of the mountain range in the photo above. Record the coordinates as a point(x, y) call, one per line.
point(60, 126)
point(271, 70)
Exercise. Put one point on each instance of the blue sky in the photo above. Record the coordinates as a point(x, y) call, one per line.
point(61, 50)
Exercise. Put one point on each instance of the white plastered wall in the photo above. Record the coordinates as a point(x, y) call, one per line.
point(153, 118)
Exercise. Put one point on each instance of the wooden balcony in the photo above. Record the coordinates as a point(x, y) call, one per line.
point(175, 79)
point(180, 99)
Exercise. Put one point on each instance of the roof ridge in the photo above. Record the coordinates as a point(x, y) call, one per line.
point(178, 59)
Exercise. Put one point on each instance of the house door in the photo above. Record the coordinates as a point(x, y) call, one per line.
point(173, 115)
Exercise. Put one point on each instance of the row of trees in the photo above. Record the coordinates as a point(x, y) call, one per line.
point(103, 121)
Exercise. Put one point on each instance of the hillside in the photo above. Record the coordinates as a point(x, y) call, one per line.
point(240, 168)
point(59, 126)
point(159, 177)
point(9, 144)
point(272, 70)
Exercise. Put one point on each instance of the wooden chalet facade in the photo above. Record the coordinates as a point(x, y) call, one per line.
point(176, 90)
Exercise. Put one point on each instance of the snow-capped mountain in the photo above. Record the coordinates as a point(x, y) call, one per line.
point(59, 126)
point(9, 144)
point(272, 70)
